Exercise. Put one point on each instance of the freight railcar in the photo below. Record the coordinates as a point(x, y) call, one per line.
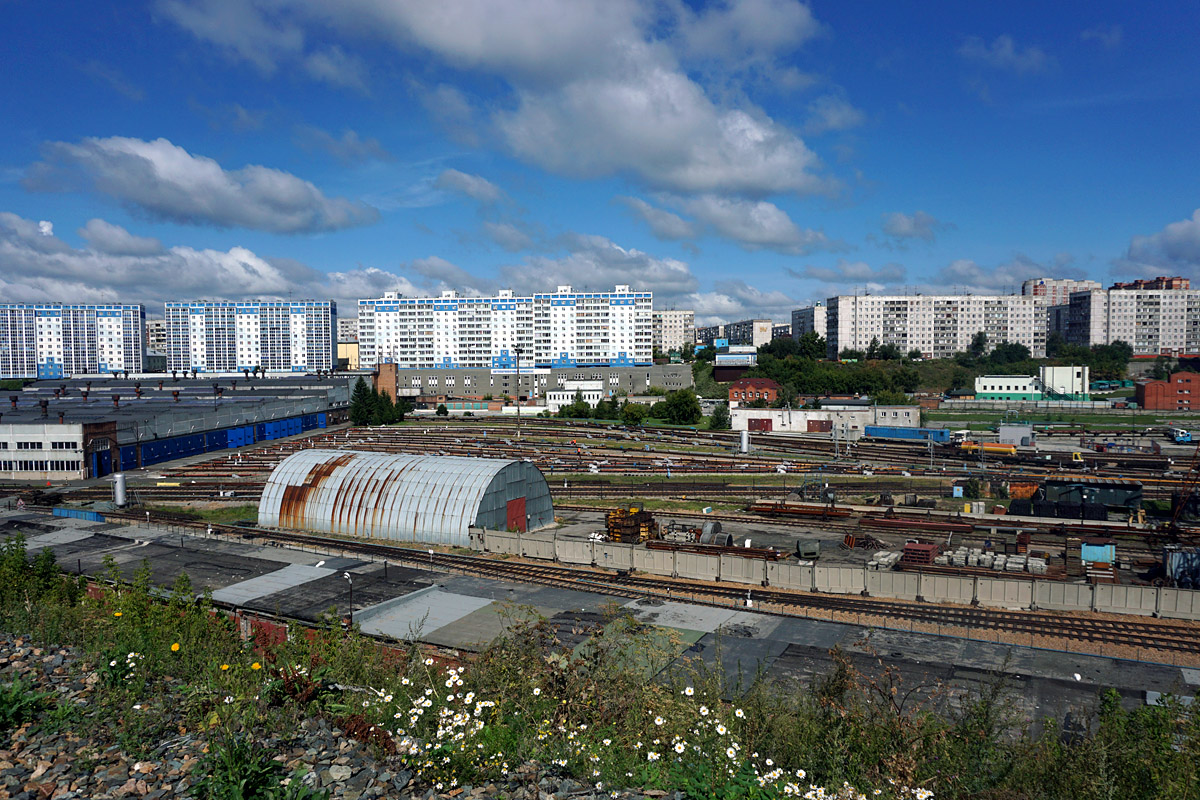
point(938, 435)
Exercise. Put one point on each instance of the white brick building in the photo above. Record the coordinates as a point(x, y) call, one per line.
point(673, 329)
point(937, 325)
point(811, 318)
point(1152, 321)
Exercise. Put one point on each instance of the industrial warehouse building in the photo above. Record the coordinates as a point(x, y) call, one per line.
point(407, 498)
point(72, 429)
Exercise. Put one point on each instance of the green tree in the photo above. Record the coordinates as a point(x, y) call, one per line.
point(689, 351)
point(442, 411)
point(1008, 353)
point(852, 355)
point(890, 397)
point(979, 345)
point(889, 352)
point(719, 421)
point(361, 406)
point(682, 407)
point(873, 349)
point(811, 345)
point(915, 355)
point(1054, 344)
point(634, 413)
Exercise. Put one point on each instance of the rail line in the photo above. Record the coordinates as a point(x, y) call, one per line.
point(1140, 633)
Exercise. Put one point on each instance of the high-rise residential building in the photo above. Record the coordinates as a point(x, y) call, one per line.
point(782, 330)
point(707, 334)
point(753, 332)
point(156, 335)
point(563, 328)
point(54, 340)
point(1152, 321)
point(347, 329)
point(279, 336)
point(673, 329)
point(936, 325)
point(809, 319)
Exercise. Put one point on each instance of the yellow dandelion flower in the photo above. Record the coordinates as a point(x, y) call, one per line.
point(256, 665)
point(224, 667)
point(175, 647)
point(116, 613)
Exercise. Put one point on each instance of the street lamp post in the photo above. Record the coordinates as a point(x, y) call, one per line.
point(518, 352)
point(346, 575)
point(431, 561)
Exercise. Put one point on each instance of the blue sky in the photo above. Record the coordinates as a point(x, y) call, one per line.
point(741, 159)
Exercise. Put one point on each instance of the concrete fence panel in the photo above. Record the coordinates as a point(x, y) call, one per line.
point(501, 542)
point(743, 570)
point(656, 562)
point(789, 576)
point(839, 580)
point(1179, 604)
point(901, 585)
point(1058, 596)
point(1005, 593)
point(1117, 599)
point(538, 547)
point(697, 566)
point(573, 551)
point(614, 556)
point(947, 588)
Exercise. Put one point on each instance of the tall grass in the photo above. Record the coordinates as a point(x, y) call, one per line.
point(618, 710)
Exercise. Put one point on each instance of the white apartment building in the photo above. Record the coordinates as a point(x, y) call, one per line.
point(279, 336)
point(560, 329)
point(672, 330)
point(53, 340)
point(1152, 321)
point(809, 319)
point(937, 325)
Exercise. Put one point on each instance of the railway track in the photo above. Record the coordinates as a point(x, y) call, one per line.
point(1139, 633)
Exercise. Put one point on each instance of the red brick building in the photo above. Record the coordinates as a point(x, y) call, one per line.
point(747, 390)
point(1174, 394)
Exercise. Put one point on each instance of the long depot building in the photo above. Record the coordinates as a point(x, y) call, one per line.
point(406, 498)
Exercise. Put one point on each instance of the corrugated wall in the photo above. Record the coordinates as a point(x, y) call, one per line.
point(433, 499)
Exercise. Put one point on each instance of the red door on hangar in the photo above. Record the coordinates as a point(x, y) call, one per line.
point(516, 515)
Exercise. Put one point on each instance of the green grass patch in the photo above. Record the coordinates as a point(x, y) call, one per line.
point(223, 514)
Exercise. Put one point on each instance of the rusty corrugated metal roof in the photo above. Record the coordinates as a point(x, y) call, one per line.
point(431, 499)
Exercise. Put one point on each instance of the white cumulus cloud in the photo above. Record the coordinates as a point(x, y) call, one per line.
point(167, 182)
point(1005, 54)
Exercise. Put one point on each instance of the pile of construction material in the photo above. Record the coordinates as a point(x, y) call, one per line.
point(884, 560)
point(979, 558)
point(630, 525)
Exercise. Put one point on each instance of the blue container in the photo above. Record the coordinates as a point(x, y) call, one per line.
point(1098, 553)
point(321, 420)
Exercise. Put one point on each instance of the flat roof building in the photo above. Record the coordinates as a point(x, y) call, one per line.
point(1153, 321)
point(810, 319)
point(673, 329)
